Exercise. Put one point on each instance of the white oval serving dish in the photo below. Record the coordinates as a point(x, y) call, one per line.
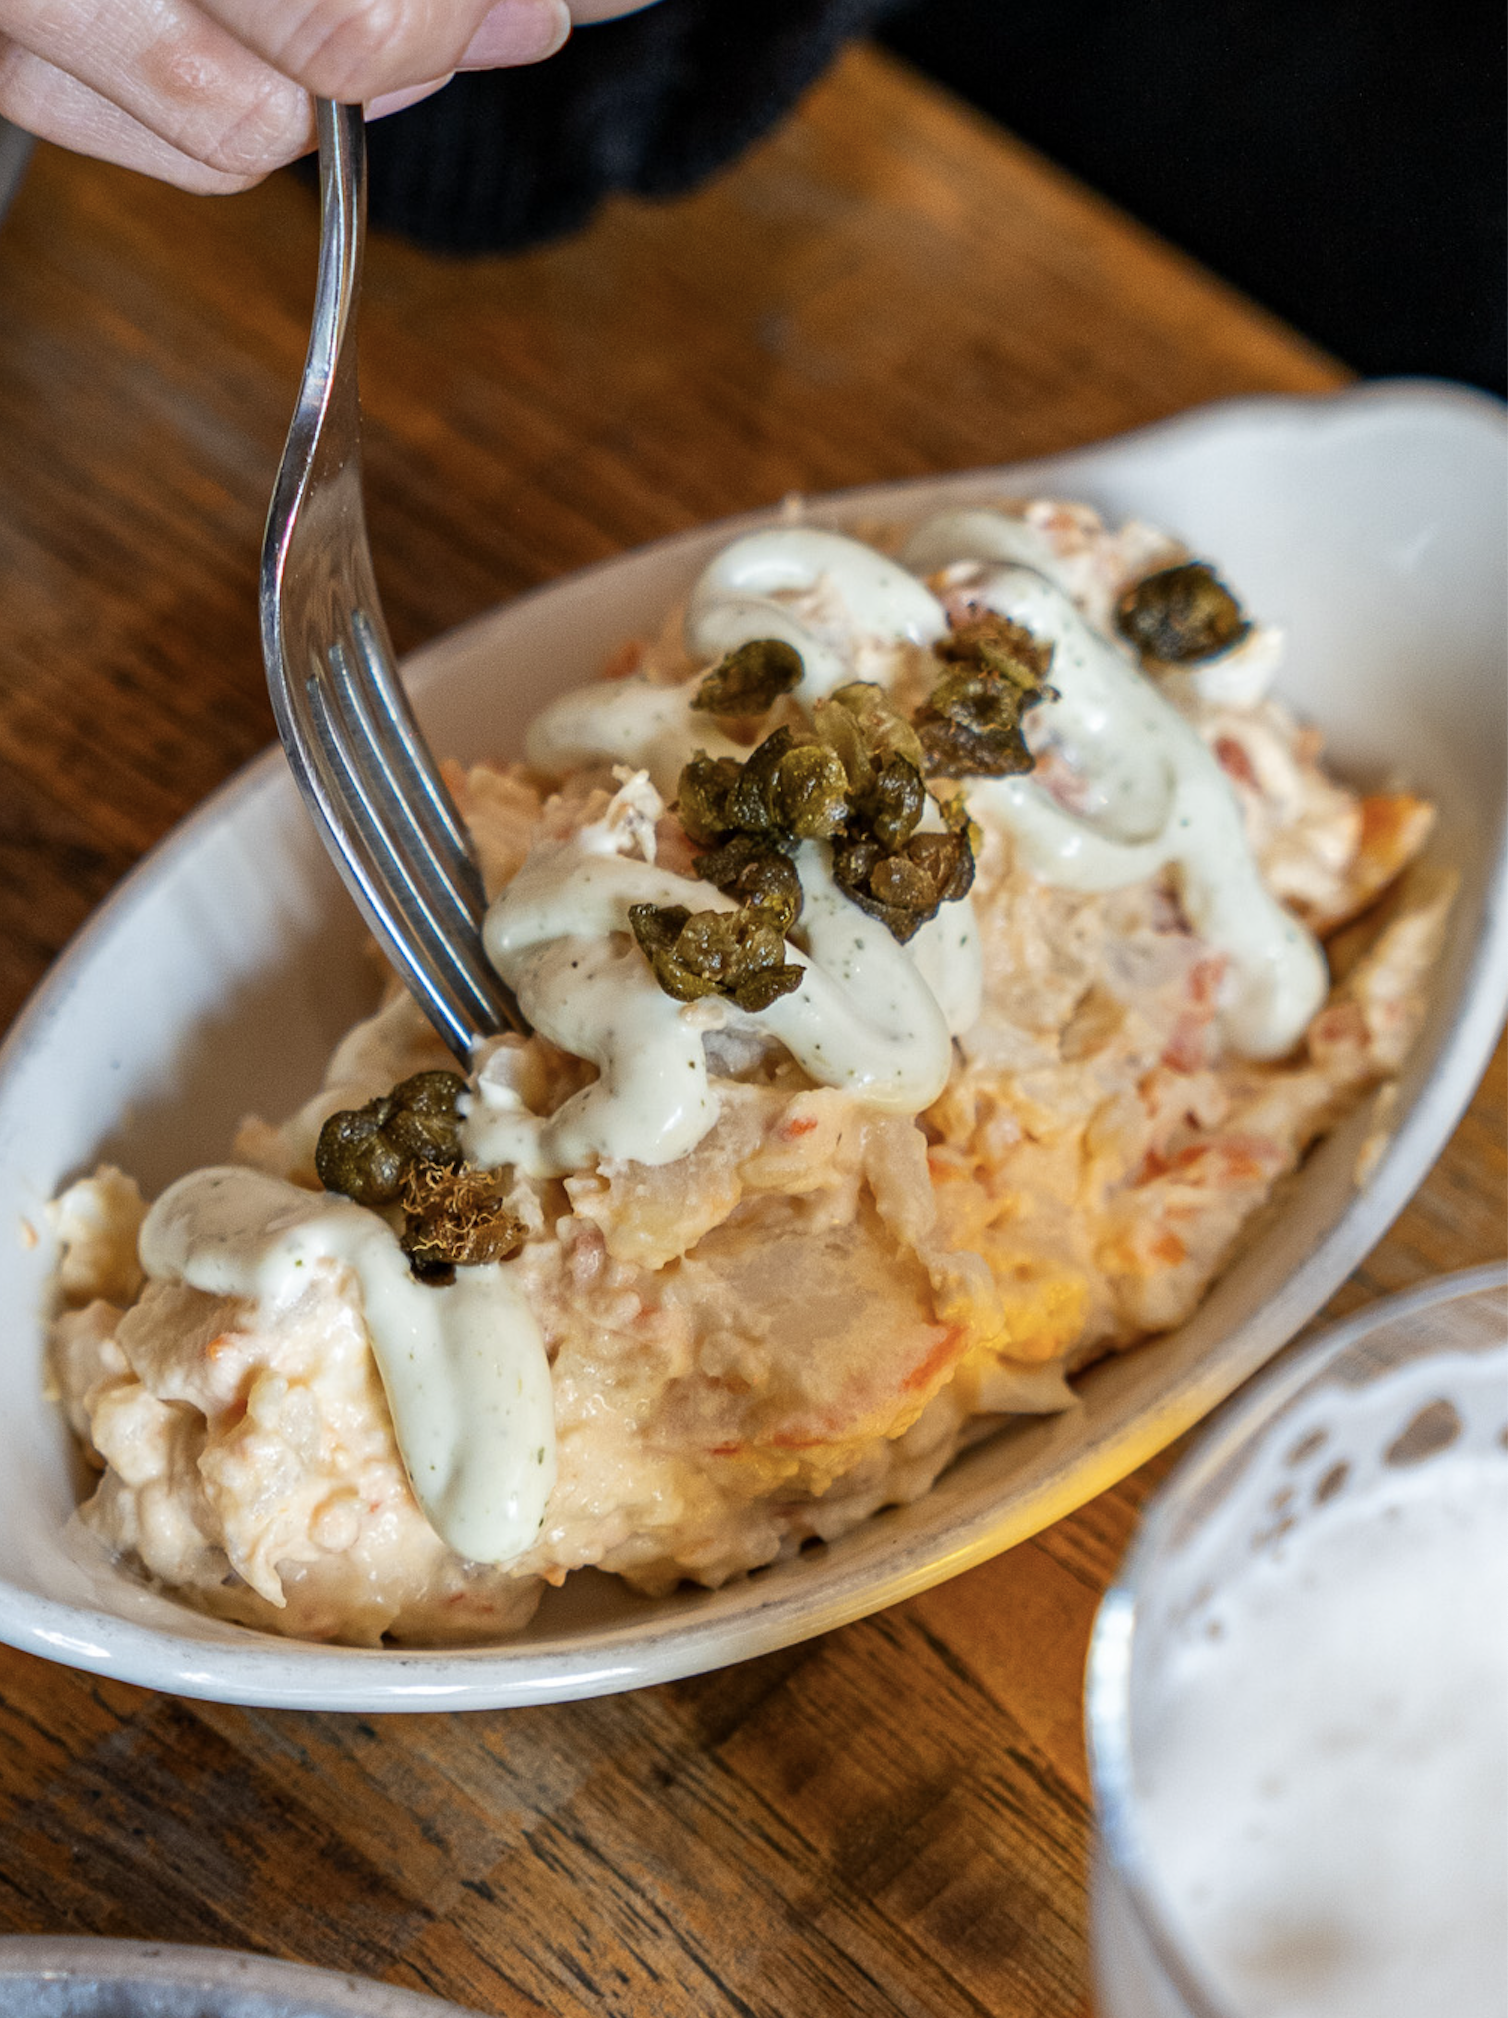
point(1370, 526)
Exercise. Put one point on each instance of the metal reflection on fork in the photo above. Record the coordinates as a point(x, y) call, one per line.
point(361, 762)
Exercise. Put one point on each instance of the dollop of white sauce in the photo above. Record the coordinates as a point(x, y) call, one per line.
point(1163, 803)
point(463, 1365)
point(867, 1016)
point(980, 534)
point(764, 586)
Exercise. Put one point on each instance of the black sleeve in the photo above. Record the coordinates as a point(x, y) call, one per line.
point(653, 104)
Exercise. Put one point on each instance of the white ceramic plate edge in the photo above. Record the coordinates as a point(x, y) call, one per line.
point(171, 1979)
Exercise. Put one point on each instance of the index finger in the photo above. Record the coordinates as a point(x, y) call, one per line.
point(355, 50)
point(583, 11)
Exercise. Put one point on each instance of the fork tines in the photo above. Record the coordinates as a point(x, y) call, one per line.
point(402, 837)
point(354, 746)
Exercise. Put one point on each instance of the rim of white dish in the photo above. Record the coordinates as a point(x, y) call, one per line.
point(176, 1970)
point(266, 1671)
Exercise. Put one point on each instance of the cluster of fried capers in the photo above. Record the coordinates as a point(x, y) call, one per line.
point(970, 725)
point(905, 886)
point(1181, 614)
point(854, 778)
point(739, 955)
point(404, 1149)
point(880, 861)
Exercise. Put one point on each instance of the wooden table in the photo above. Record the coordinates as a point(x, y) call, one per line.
point(892, 1819)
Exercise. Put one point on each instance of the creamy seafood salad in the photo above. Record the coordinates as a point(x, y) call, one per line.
point(934, 951)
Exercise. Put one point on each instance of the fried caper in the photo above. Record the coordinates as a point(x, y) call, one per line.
point(364, 1152)
point(704, 796)
point(956, 749)
point(895, 802)
point(810, 792)
point(855, 859)
point(905, 889)
point(739, 955)
point(750, 680)
point(1181, 614)
point(751, 807)
point(995, 644)
point(900, 883)
point(456, 1214)
point(859, 722)
point(754, 871)
point(970, 725)
point(354, 1156)
point(948, 861)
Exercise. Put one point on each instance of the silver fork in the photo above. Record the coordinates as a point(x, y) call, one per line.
point(363, 766)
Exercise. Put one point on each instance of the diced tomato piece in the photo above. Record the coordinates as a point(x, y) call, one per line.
point(946, 1350)
point(626, 661)
point(1234, 761)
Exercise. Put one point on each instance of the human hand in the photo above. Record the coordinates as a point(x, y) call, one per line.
point(215, 94)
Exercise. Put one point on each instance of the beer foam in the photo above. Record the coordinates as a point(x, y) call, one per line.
point(1323, 1766)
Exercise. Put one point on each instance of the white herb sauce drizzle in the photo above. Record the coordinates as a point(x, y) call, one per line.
point(983, 535)
point(1166, 804)
point(464, 1365)
point(629, 722)
point(770, 585)
point(1237, 677)
point(864, 1017)
point(735, 600)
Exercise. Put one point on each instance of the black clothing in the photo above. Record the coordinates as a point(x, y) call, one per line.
point(1341, 160)
point(654, 104)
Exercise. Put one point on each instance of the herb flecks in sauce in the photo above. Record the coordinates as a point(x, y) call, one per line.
point(1181, 614)
point(749, 681)
point(970, 724)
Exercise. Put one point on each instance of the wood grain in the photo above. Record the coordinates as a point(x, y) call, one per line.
point(892, 1819)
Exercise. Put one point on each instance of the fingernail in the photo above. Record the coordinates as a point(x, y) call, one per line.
point(517, 31)
point(396, 101)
